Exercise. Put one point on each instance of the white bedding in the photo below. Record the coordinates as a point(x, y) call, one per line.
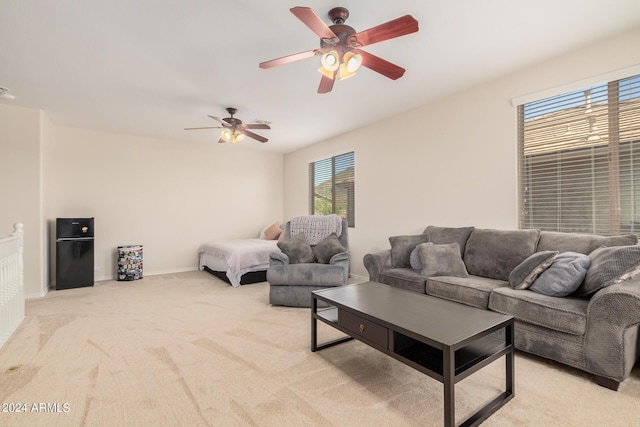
point(237, 257)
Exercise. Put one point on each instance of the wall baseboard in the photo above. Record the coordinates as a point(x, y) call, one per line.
point(52, 285)
point(36, 295)
point(358, 277)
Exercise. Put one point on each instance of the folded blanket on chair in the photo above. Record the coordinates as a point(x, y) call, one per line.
point(316, 227)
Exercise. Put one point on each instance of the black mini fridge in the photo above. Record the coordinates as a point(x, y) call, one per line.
point(74, 252)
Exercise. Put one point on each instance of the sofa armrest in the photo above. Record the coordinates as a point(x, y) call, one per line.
point(377, 262)
point(611, 342)
point(278, 258)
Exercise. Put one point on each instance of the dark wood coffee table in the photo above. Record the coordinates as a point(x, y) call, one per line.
point(442, 339)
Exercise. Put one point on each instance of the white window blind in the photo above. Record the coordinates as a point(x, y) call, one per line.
point(579, 160)
point(332, 182)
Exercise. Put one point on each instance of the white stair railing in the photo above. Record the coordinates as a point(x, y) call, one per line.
point(11, 283)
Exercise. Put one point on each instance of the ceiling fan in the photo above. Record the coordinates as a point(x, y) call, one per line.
point(234, 130)
point(340, 46)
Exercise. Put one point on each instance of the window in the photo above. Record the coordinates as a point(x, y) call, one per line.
point(332, 184)
point(579, 160)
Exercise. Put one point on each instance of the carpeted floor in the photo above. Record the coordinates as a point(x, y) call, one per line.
point(188, 349)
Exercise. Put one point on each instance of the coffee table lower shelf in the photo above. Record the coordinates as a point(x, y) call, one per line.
point(448, 364)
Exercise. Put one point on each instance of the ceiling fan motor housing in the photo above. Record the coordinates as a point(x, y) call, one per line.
point(231, 120)
point(338, 15)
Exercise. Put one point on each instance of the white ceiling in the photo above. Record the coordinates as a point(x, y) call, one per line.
point(152, 68)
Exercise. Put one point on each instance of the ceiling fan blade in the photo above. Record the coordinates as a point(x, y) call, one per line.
point(208, 127)
point(380, 65)
point(252, 135)
point(326, 84)
point(290, 58)
point(389, 30)
point(256, 126)
point(313, 21)
point(216, 119)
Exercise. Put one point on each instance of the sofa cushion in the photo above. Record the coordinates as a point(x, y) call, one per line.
point(471, 290)
point(403, 278)
point(297, 249)
point(414, 257)
point(609, 266)
point(401, 247)
point(567, 315)
point(564, 275)
point(327, 248)
point(581, 243)
point(442, 235)
point(495, 253)
point(528, 270)
point(442, 260)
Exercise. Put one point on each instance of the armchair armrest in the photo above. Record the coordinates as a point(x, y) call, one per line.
point(339, 258)
point(278, 258)
point(611, 342)
point(377, 262)
point(343, 259)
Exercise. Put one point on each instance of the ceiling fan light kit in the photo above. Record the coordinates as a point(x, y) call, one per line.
point(346, 67)
point(340, 45)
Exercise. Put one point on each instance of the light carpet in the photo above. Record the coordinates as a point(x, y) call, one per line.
point(190, 350)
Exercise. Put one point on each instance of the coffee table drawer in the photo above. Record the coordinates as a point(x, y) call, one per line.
point(364, 328)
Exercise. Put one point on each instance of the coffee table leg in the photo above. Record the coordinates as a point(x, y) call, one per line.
point(510, 361)
point(449, 370)
point(314, 324)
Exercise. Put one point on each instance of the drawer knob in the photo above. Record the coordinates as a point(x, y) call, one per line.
point(361, 327)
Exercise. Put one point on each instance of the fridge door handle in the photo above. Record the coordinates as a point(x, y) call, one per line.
point(74, 239)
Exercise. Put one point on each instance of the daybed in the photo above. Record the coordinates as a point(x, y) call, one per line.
point(581, 312)
point(240, 261)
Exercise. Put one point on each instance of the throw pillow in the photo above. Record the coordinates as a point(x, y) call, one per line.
point(327, 248)
point(528, 270)
point(563, 276)
point(443, 235)
point(297, 249)
point(442, 260)
point(273, 232)
point(263, 230)
point(414, 257)
point(608, 266)
point(401, 247)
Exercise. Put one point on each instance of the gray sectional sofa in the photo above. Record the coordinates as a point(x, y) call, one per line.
point(594, 329)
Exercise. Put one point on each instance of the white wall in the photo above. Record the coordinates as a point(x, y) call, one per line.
point(456, 162)
point(169, 196)
point(21, 189)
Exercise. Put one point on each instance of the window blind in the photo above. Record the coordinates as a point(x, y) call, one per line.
point(332, 187)
point(579, 160)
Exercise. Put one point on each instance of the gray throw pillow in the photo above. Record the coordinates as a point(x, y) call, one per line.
point(297, 249)
point(564, 276)
point(528, 270)
point(327, 248)
point(444, 235)
point(414, 258)
point(608, 266)
point(401, 247)
point(442, 260)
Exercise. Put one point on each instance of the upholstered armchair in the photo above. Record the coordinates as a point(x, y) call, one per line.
point(314, 255)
